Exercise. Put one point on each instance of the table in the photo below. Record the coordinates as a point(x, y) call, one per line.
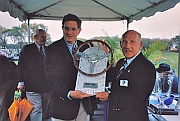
point(154, 117)
point(172, 117)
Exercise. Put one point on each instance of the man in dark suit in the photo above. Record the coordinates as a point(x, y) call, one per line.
point(132, 80)
point(66, 102)
point(8, 81)
point(31, 73)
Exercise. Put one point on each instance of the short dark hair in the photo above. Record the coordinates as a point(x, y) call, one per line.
point(71, 17)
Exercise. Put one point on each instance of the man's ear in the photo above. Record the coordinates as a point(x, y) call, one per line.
point(80, 30)
point(141, 44)
point(120, 43)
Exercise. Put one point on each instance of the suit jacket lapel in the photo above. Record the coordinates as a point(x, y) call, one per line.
point(130, 66)
point(134, 62)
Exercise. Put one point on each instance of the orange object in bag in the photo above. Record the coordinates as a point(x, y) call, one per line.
point(19, 110)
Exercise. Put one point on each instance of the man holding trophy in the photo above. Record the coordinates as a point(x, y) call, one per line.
point(66, 102)
point(132, 79)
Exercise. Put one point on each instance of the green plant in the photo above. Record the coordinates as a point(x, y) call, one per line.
point(114, 43)
point(154, 52)
point(155, 46)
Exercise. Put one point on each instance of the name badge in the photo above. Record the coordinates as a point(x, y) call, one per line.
point(124, 83)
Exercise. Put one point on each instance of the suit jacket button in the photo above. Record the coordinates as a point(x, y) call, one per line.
point(61, 98)
point(116, 109)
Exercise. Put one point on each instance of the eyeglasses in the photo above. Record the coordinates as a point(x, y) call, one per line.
point(68, 28)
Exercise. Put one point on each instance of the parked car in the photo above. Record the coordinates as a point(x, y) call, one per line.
point(9, 54)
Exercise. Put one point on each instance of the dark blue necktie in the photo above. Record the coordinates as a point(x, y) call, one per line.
point(41, 51)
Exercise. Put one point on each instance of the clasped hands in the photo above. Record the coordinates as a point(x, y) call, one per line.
point(77, 94)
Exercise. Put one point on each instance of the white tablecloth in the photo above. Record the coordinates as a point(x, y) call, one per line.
point(172, 117)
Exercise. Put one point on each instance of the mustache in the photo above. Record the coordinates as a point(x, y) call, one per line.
point(43, 41)
point(127, 50)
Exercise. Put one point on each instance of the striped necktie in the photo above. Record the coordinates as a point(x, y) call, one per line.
point(121, 69)
point(74, 48)
point(41, 51)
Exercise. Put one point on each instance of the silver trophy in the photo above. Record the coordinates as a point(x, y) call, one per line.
point(92, 64)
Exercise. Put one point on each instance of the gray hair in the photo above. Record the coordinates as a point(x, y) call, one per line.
point(36, 33)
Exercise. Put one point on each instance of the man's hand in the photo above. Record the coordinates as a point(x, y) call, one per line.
point(103, 96)
point(21, 88)
point(77, 94)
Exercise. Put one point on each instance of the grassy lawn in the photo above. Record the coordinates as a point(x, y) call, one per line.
point(172, 60)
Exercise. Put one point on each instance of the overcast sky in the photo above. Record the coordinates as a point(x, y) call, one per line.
point(162, 25)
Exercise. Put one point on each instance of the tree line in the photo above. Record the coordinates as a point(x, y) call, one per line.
point(16, 38)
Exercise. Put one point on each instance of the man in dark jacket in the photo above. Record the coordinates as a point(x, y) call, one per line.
point(132, 80)
point(166, 69)
point(31, 73)
point(66, 102)
point(8, 81)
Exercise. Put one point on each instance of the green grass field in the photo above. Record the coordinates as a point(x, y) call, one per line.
point(172, 60)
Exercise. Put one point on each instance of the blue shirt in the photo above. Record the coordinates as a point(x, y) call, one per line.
point(70, 46)
point(130, 60)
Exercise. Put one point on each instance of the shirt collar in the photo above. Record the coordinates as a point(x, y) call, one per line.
point(70, 45)
point(131, 59)
point(38, 46)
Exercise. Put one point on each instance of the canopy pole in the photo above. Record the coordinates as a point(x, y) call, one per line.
point(28, 30)
point(179, 68)
point(177, 107)
point(128, 24)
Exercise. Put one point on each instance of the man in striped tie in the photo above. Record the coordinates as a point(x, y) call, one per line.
point(31, 73)
point(132, 86)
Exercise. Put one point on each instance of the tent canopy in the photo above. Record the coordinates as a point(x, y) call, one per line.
point(89, 10)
